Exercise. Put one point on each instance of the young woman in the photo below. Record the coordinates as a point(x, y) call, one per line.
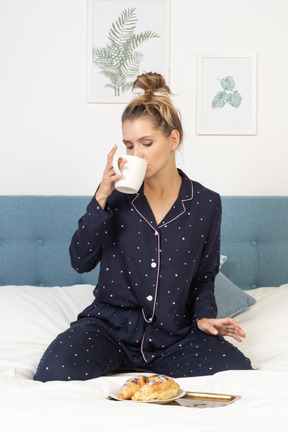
point(154, 306)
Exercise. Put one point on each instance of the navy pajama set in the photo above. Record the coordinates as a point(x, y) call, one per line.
point(155, 282)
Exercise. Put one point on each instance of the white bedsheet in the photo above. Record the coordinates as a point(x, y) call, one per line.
point(40, 314)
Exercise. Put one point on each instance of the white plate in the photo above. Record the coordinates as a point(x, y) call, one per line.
point(180, 394)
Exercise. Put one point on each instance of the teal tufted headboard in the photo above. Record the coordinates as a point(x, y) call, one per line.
point(255, 239)
point(35, 233)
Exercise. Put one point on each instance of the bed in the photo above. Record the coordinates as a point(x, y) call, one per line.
point(40, 294)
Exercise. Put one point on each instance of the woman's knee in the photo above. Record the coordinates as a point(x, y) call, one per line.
point(79, 353)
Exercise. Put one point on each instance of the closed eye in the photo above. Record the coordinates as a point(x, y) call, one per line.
point(128, 145)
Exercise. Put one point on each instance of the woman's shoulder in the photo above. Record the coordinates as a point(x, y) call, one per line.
point(200, 191)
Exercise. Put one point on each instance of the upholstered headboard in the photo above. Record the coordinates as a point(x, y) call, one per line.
point(255, 239)
point(35, 233)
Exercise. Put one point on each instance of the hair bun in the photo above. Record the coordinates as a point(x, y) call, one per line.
point(155, 104)
point(152, 83)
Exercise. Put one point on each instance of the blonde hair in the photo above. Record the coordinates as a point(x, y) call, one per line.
point(154, 104)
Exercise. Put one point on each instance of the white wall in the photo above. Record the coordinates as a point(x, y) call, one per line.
point(53, 142)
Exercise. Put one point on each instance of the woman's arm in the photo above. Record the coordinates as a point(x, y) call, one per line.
point(203, 304)
point(86, 243)
point(202, 288)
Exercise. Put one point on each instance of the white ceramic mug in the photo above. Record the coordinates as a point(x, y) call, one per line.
point(133, 173)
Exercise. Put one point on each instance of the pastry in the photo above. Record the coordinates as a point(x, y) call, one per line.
point(155, 387)
point(131, 386)
point(159, 387)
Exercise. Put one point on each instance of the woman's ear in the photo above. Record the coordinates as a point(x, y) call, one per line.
point(175, 139)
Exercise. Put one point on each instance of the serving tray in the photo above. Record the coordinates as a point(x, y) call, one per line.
point(205, 400)
point(190, 399)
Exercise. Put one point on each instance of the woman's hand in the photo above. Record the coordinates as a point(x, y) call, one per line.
point(221, 327)
point(109, 178)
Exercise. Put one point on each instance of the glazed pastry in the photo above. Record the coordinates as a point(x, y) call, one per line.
point(159, 387)
point(131, 386)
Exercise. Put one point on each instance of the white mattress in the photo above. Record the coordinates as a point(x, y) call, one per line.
point(30, 317)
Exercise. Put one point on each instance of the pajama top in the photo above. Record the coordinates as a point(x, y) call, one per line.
point(155, 281)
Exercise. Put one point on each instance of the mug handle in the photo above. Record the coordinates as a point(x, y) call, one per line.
point(115, 164)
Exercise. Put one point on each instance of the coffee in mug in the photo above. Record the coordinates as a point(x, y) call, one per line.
point(133, 173)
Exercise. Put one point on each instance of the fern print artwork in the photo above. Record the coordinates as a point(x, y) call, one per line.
point(227, 95)
point(119, 61)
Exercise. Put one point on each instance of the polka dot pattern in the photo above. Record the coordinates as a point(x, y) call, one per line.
point(166, 271)
point(155, 282)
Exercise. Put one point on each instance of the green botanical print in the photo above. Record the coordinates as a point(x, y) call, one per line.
point(227, 95)
point(119, 61)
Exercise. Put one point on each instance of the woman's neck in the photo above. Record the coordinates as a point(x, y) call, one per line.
point(164, 182)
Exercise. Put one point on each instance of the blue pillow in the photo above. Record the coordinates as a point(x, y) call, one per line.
point(230, 299)
point(223, 259)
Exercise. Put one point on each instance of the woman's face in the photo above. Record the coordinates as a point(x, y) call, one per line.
point(143, 140)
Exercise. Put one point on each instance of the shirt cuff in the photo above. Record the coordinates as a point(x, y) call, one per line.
point(94, 207)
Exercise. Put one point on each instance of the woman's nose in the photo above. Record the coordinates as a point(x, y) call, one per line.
point(137, 152)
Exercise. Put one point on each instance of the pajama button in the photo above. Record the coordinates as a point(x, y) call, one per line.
point(153, 265)
point(149, 298)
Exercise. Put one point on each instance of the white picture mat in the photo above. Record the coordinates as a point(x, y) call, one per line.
point(153, 16)
point(211, 68)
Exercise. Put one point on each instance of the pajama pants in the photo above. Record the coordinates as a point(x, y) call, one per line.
point(88, 350)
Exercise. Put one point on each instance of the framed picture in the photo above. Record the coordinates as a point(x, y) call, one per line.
point(226, 94)
point(125, 39)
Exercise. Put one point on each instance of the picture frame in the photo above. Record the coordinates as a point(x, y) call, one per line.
point(125, 39)
point(226, 94)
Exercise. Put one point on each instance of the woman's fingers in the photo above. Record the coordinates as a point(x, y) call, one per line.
point(221, 327)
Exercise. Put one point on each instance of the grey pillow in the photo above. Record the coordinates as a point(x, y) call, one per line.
point(230, 299)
